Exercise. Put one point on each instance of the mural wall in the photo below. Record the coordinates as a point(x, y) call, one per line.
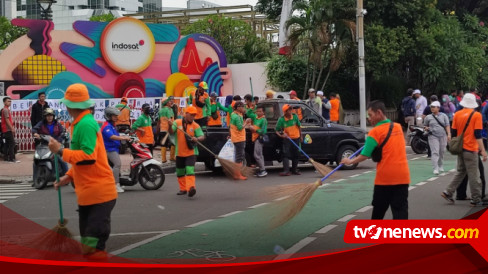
point(123, 58)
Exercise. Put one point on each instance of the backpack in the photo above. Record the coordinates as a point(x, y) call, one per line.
point(405, 107)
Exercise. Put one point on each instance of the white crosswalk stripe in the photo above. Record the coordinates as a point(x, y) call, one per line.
point(11, 191)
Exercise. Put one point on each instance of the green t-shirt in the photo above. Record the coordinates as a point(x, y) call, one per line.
point(85, 134)
point(237, 121)
point(166, 112)
point(283, 124)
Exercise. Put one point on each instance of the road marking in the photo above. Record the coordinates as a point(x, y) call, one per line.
point(200, 223)
point(282, 198)
point(452, 170)
point(132, 246)
point(230, 214)
point(325, 229)
point(2, 201)
point(411, 187)
point(294, 249)
point(364, 209)
point(356, 175)
point(8, 197)
point(340, 180)
point(161, 207)
point(346, 218)
point(366, 172)
point(416, 158)
point(324, 185)
point(137, 233)
point(13, 193)
point(16, 189)
point(421, 183)
point(432, 179)
point(258, 205)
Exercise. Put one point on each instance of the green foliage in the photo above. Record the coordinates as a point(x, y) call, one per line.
point(286, 74)
point(272, 8)
point(103, 18)
point(240, 43)
point(9, 32)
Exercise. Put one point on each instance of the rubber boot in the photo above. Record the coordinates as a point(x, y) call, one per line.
point(163, 154)
point(172, 154)
point(239, 175)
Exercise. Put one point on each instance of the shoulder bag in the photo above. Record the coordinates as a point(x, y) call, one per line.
point(455, 146)
point(377, 153)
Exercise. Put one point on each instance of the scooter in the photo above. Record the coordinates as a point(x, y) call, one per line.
point(43, 165)
point(419, 139)
point(123, 131)
point(143, 168)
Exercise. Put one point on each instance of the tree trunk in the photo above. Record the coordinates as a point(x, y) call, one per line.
point(326, 79)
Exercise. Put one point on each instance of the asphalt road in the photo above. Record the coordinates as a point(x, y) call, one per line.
point(233, 216)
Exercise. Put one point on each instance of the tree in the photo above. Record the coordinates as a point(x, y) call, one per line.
point(240, 43)
point(9, 32)
point(286, 73)
point(272, 8)
point(103, 18)
point(325, 31)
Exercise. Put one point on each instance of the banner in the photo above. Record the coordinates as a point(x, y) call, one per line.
point(284, 45)
point(21, 105)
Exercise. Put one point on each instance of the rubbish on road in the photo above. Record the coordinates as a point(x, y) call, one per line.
point(300, 195)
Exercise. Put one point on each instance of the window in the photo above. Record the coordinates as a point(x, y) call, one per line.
point(306, 116)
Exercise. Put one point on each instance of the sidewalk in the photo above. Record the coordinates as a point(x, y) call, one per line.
point(22, 172)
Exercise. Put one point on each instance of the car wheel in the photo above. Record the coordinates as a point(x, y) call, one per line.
point(345, 152)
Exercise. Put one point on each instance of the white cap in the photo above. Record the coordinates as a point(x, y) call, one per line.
point(469, 101)
point(320, 92)
point(417, 91)
point(435, 104)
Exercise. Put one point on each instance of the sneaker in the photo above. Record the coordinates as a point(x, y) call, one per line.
point(448, 197)
point(119, 189)
point(441, 169)
point(296, 172)
point(181, 192)
point(436, 172)
point(262, 173)
point(285, 174)
point(475, 204)
point(192, 192)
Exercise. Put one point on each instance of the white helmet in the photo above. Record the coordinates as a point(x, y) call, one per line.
point(110, 111)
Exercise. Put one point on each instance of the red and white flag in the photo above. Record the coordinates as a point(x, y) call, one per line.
point(283, 33)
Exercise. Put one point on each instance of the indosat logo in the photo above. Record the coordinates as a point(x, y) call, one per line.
point(127, 45)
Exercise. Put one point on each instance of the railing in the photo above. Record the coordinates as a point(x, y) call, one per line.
point(351, 117)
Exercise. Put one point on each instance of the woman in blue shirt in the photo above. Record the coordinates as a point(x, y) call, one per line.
point(111, 140)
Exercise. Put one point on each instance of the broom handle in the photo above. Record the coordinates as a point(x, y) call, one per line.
point(56, 171)
point(198, 142)
point(308, 157)
point(339, 166)
point(252, 92)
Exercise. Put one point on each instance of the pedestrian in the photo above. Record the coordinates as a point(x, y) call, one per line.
point(462, 188)
point(166, 114)
point(249, 109)
point(269, 94)
point(390, 184)
point(259, 129)
point(314, 102)
point(297, 110)
point(123, 121)
point(201, 101)
point(8, 131)
point(459, 97)
point(288, 125)
point(143, 127)
point(92, 177)
point(427, 111)
point(50, 126)
point(341, 110)
point(448, 107)
point(215, 119)
point(186, 150)
point(470, 120)
point(437, 124)
point(256, 100)
point(408, 111)
point(238, 134)
point(38, 108)
point(325, 105)
point(420, 105)
point(111, 141)
point(334, 108)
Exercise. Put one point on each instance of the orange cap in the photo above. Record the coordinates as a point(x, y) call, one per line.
point(191, 110)
point(77, 96)
point(285, 107)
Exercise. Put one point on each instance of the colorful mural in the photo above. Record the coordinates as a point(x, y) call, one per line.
point(123, 58)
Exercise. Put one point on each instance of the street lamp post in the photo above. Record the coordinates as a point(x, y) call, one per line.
point(362, 72)
point(46, 12)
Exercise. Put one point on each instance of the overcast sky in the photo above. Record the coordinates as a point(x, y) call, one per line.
point(182, 3)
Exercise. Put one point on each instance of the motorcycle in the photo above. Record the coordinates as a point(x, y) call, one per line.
point(43, 165)
point(143, 168)
point(419, 139)
point(123, 131)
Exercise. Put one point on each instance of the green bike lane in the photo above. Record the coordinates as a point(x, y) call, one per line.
point(247, 234)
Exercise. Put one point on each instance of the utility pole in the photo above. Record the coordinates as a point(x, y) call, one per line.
point(362, 72)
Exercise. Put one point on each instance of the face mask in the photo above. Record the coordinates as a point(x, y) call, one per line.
point(146, 111)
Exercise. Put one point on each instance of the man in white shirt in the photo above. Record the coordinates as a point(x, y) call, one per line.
point(420, 105)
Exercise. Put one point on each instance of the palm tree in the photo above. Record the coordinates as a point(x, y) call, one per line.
point(324, 30)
